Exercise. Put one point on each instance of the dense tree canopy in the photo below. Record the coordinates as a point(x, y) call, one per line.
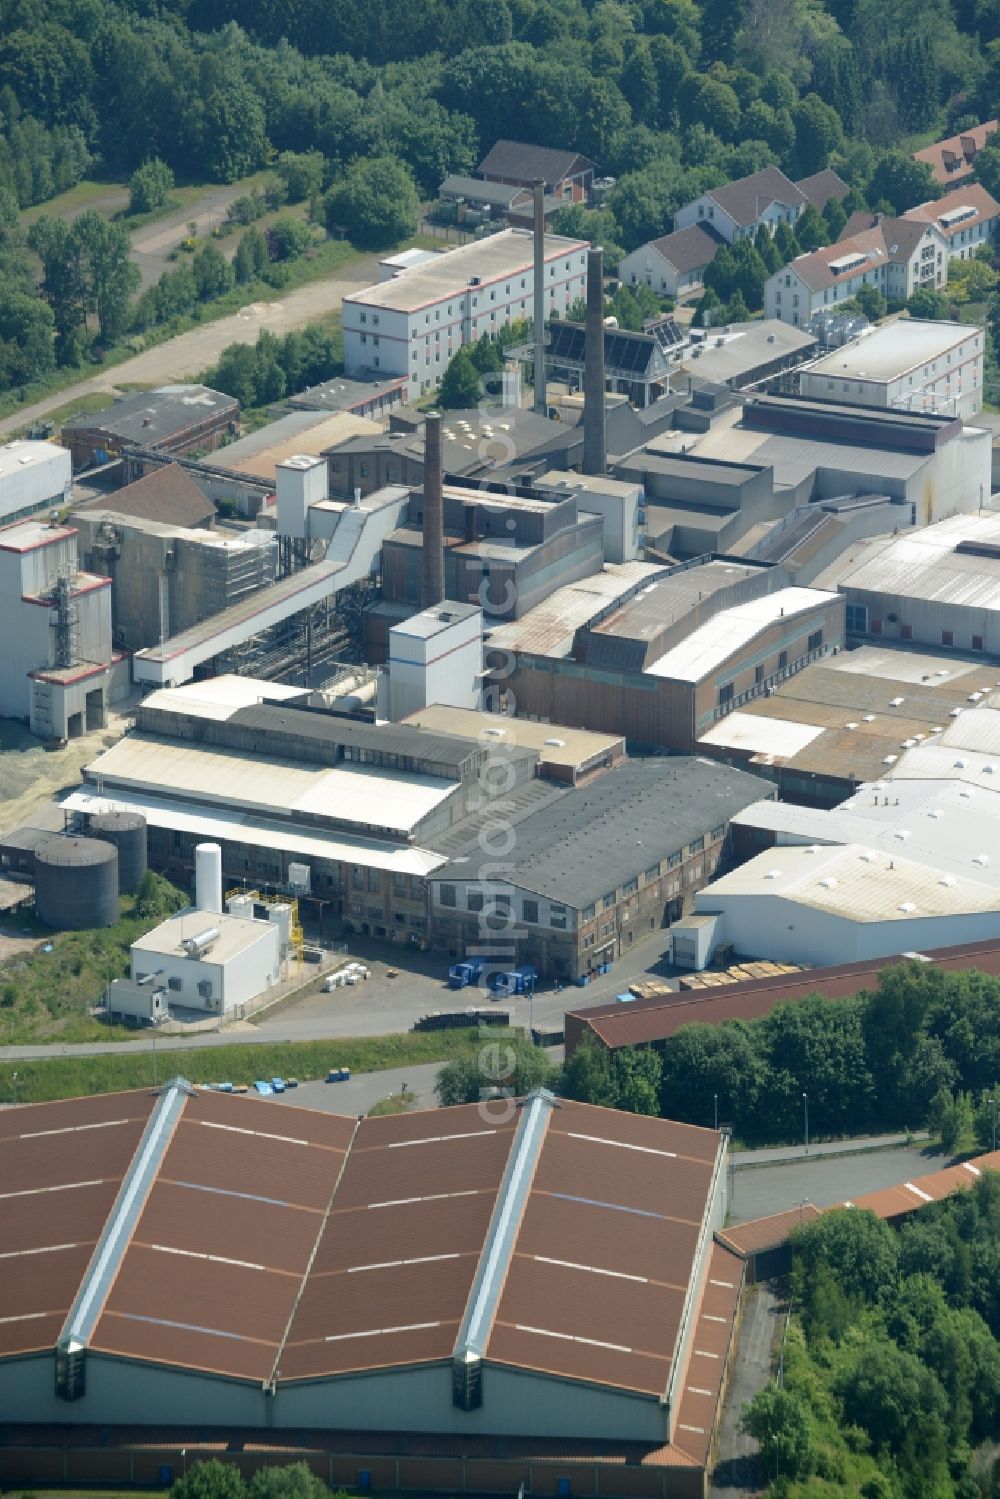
point(906, 1052)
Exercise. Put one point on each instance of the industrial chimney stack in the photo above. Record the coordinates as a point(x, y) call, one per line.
point(539, 222)
point(432, 559)
point(594, 417)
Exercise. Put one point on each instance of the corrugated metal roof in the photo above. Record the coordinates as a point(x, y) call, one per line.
point(362, 794)
point(582, 845)
point(708, 1358)
point(234, 827)
point(766, 1233)
point(658, 1019)
point(331, 1246)
point(859, 883)
point(714, 642)
point(60, 1170)
point(549, 628)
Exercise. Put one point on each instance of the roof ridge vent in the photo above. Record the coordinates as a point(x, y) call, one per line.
point(110, 1248)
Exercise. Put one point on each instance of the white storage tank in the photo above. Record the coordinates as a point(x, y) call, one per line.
point(208, 878)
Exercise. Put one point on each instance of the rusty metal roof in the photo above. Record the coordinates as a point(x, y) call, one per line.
point(766, 1233)
point(216, 1234)
point(60, 1170)
point(600, 1271)
point(659, 1017)
point(704, 1376)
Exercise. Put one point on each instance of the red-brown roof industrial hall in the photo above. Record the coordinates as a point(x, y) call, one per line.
point(533, 1271)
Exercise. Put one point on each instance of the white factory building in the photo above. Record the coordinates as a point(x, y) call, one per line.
point(205, 958)
point(34, 476)
point(909, 365)
point(435, 656)
point(412, 324)
point(57, 671)
point(907, 863)
point(823, 905)
point(939, 586)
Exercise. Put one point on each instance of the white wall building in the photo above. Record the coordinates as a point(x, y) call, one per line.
point(56, 666)
point(820, 905)
point(207, 961)
point(938, 586)
point(34, 476)
point(616, 501)
point(737, 209)
point(414, 323)
point(436, 656)
point(966, 218)
point(909, 365)
point(895, 256)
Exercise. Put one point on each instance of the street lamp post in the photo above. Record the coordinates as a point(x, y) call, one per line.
point(805, 1107)
point(13, 1085)
point(993, 1109)
point(715, 1100)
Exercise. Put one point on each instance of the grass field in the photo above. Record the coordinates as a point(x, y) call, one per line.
point(46, 996)
point(45, 1078)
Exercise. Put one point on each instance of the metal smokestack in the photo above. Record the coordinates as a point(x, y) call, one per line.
point(539, 222)
point(432, 558)
point(594, 418)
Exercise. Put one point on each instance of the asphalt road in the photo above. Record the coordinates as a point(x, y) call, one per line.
point(365, 1090)
point(382, 1006)
point(823, 1180)
point(190, 353)
point(735, 1471)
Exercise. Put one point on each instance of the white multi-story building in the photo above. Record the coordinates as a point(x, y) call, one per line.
point(57, 668)
point(896, 256)
point(965, 218)
point(908, 365)
point(413, 324)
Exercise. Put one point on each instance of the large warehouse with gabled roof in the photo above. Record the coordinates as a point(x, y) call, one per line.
point(538, 1270)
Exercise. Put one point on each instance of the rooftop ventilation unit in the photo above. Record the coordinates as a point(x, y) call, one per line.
point(907, 907)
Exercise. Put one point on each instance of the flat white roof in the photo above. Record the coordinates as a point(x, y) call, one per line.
point(945, 826)
point(236, 934)
point(25, 452)
point(219, 823)
point(219, 697)
point(779, 738)
point(556, 744)
point(893, 350)
point(427, 623)
point(449, 274)
point(856, 882)
point(598, 483)
point(351, 793)
point(715, 641)
point(900, 664)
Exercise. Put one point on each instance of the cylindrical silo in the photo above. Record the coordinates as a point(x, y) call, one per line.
point(208, 878)
point(76, 883)
point(127, 831)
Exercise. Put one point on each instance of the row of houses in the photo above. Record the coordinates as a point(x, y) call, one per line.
point(898, 256)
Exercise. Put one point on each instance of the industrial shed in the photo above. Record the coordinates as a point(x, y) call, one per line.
point(535, 1269)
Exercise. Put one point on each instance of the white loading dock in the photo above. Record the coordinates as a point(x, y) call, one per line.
point(216, 973)
point(822, 905)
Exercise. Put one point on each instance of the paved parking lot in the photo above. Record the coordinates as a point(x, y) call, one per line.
point(822, 1180)
point(383, 1006)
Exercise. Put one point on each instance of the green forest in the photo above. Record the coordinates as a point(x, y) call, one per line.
point(890, 1369)
point(921, 1048)
point(362, 109)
